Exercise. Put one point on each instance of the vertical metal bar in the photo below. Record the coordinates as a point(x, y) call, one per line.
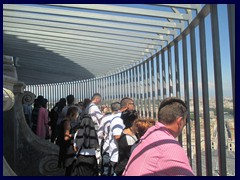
point(154, 86)
point(163, 76)
point(83, 88)
point(79, 87)
point(108, 87)
point(77, 91)
point(158, 78)
point(80, 90)
point(176, 57)
point(178, 93)
point(206, 117)
point(131, 82)
point(74, 91)
point(231, 26)
point(150, 89)
point(49, 97)
point(120, 85)
point(145, 88)
point(128, 83)
point(98, 82)
point(196, 102)
point(125, 83)
point(57, 92)
point(87, 89)
point(218, 91)
point(113, 87)
point(93, 86)
point(61, 89)
point(105, 89)
point(138, 88)
point(134, 86)
point(142, 89)
point(68, 88)
point(116, 88)
point(186, 95)
point(170, 77)
point(54, 94)
point(39, 90)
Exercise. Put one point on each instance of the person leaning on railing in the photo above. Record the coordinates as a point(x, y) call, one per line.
point(158, 152)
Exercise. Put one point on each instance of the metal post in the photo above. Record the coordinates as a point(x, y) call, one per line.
point(145, 88)
point(142, 89)
point(196, 102)
point(178, 93)
point(170, 78)
point(206, 117)
point(150, 89)
point(125, 83)
point(186, 95)
point(231, 26)
point(218, 91)
point(158, 79)
point(154, 87)
point(131, 83)
point(138, 88)
point(163, 76)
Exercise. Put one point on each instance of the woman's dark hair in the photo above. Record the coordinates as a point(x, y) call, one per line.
point(128, 117)
point(61, 104)
point(43, 103)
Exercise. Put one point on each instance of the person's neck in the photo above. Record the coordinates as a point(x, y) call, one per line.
point(172, 129)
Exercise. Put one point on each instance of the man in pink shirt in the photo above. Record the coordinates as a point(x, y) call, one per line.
point(158, 152)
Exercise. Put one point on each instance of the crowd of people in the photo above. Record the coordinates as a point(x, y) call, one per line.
point(113, 141)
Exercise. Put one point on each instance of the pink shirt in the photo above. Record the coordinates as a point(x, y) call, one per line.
point(42, 123)
point(158, 154)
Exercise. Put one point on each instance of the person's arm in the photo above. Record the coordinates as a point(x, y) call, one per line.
point(117, 128)
point(100, 130)
point(67, 134)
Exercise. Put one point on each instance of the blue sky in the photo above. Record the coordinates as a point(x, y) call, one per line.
point(225, 57)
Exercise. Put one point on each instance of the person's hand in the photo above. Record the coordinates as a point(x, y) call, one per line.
point(75, 148)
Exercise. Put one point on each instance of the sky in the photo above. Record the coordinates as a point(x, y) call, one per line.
point(225, 57)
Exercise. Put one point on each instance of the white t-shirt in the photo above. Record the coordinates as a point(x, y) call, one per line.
point(103, 131)
point(116, 128)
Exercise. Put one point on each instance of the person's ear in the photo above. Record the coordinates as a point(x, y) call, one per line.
point(179, 121)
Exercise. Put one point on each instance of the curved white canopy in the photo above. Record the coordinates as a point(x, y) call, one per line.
point(66, 42)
